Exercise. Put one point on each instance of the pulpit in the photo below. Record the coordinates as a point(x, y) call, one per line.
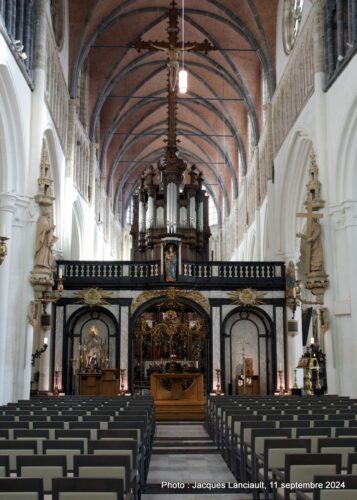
point(110, 382)
point(103, 383)
point(89, 384)
point(178, 396)
point(177, 386)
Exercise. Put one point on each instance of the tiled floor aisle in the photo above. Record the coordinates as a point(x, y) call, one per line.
point(183, 454)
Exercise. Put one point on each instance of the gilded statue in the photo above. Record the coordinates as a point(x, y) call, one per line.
point(93, 352)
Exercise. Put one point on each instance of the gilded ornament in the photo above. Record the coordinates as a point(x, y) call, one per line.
point(93, 297)
point(247, 297)
point(172, 294)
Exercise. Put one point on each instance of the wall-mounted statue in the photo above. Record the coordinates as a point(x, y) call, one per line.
point(316, 278)
point(313, 238)
point(45, 239)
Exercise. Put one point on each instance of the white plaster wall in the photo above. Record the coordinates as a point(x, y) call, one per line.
point(328, 124)
point(17, 216)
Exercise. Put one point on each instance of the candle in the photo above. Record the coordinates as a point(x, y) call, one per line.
point(45, 340)
point(2, 230)
point(60, 272)
point(312, 340)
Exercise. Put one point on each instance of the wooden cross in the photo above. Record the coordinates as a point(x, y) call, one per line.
point(173, 48)
point(310, 216)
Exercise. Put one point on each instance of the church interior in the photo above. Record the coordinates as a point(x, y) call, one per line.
point(178, 232)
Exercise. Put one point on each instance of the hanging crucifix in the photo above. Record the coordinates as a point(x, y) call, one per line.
point(173, 48)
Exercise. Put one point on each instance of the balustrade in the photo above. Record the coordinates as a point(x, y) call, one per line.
point(126, 273)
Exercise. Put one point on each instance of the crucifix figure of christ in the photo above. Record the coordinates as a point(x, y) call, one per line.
point(173, 48)
point(314, 252)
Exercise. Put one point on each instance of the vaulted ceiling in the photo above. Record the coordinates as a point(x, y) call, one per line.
point(127, 113)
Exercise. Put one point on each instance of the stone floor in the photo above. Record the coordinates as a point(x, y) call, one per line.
point(185, 464)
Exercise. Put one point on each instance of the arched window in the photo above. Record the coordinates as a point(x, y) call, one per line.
point(129, 212)
point(291, 22)
point(212, 211)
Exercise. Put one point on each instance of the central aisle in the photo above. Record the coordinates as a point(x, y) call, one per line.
point(184, 455)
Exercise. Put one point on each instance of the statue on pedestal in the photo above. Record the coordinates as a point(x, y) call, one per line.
point(45, 239)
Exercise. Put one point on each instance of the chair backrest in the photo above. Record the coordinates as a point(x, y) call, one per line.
point(43, 467)
point(72, 433)
point(343, 445)
point(103, 466)
point(290, 424)
point(84, 425)
point(247, 427)
point(104, 447)
point(118, 434)
point(352, 463)
point(64, 418)
point(276, 449)
point(13, 448)
point(237, 420)
point(313, 434)
point(258, 437)
point(347, 492)
point(4, 434)
point(78, 488)
point(4, 466)
point(48, 425)
point(346, 431)
point(67, 447)
point(302, 469)
point(21, 489)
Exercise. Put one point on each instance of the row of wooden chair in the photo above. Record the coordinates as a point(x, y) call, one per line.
point(99, 438)
point(63, 488)
point(259, 436)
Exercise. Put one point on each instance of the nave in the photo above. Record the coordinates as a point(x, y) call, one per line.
point(184, 455)
point(76, 448)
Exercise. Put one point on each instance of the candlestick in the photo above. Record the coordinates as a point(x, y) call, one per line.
point(218, 390)
point(281, 388)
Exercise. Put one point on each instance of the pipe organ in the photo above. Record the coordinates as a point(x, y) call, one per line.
point(170, 202)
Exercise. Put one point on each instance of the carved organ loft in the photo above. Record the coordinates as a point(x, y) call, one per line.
point(167, 206)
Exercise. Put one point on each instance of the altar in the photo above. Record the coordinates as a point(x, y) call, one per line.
point(178, 396)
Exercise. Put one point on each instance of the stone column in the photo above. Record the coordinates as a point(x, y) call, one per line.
point(44, 362)
point(124, 341)
point(69, 191)
point(321, 140)
point(18, 340)
point(7, 210)
point(340, 339)
point(216, 344)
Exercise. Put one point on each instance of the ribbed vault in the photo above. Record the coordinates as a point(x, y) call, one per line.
point(218, 120)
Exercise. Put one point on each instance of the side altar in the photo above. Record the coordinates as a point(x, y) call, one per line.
point(178, 396)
